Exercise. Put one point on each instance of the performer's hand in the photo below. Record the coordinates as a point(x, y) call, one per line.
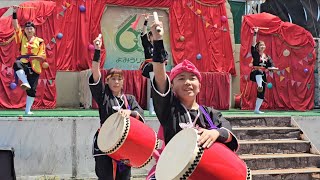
point(207, 137)
point(97, 43)
point(146, 16)
point(256, 29)
point(157, 35)
point(125, 113)
point(15, 8)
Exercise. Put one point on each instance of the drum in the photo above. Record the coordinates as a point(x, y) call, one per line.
point(182, 158)
point(127, 140)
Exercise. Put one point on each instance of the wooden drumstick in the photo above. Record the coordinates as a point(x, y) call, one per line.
point(99, 37)
point(156, 20)
point(26, 7)
point(151, 15)
point(263, 28)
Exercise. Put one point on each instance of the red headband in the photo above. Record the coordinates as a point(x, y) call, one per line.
point(184, 66)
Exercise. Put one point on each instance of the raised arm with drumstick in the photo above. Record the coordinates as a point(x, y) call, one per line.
point(28, 65)
point(261, 62)
point(110, 99)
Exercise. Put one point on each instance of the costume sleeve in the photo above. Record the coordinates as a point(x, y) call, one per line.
point(270, 62)
point(224, 126)
point(18, 36)
point(146, 46)
point(255, 56)
point(97, 90)
point(162, 102)
point(42, 49)
point(137, 111)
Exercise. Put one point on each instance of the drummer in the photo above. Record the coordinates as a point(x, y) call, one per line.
point(175, 101)
point(110, 99)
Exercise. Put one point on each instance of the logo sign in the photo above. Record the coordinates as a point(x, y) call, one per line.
point(123, 43)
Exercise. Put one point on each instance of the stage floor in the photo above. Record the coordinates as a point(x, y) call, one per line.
point(62, 112)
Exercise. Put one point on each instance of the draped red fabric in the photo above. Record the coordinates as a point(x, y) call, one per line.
point(203, 34)
point(42, 17)
point(201, 26)
point(3, 10)
point(215, 90)
point(293, 84)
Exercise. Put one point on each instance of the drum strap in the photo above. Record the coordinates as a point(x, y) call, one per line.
point(212, 126)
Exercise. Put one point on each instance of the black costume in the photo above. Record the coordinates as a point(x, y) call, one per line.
point(107, 103)
point(257, 61)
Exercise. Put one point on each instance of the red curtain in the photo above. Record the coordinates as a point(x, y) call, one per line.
point(215, 90)
point(204, 33)
point(293, 84)
point(42, 16)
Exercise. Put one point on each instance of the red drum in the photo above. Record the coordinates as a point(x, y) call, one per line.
point(182, 158)
point(127, 140)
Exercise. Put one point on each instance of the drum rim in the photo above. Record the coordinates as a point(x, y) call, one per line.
point(188, 170)
point(191, 164)
point(123, 137)
point(151, 157)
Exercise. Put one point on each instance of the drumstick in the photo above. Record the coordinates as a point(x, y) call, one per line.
point(156, 20)
point(27, 7)
point(264, 28)
point(150, 15)
point(99, 39)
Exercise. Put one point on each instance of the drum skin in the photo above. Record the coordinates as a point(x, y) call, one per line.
point(136, 144)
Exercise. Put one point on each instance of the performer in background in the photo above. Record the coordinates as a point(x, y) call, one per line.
point(110, 99)
point(175, 101)
point(146, 66)
point(28, 65)
point(261, 62)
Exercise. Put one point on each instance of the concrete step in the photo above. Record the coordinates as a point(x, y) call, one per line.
point(267, 132)
point(259, 121)
point(296, 174)
point(273, 146)
point(281, 161)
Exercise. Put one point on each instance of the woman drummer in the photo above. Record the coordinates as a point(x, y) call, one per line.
point(261, 62)
point(110, 99)
point(175, 101)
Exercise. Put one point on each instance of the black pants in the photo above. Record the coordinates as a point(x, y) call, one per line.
point(104, 169)
point(32, 76)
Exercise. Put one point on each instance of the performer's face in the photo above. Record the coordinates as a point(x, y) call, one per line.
point(115, 83)
point(186, 86)
point(262, 46)
point(30, 31)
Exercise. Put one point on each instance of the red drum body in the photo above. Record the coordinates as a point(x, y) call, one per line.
point(182, 158)
point(127, 140)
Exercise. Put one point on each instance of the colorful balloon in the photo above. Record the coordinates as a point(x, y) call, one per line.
point(199, 56)
point(45, 65)
point(13, 85)
point(306, 70)
point(82, 8)
point(59, 35)
point(181, 38)
point(91, 47)
point(224, 18)
point(269, 85)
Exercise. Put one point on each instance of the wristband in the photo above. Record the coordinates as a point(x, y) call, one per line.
point(96, 56)
point(145, 23)
point(255, 33)
point(14, 15)
point(159, 53)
